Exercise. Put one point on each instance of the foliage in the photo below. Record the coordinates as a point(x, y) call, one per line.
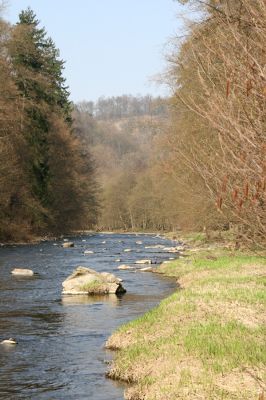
point(135, 194)
point(46, 177)
point(218, 114)
point(112, 108)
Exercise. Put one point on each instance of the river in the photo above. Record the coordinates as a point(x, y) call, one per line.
point(60, 352)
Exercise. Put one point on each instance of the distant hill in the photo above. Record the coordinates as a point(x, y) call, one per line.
point(121, 133)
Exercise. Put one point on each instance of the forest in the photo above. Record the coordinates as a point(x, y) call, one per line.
point(47, 178)
point(193, 161)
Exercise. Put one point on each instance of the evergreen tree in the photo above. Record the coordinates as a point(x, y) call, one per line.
point(42, 88)
point(40, 55)
point(61, 181)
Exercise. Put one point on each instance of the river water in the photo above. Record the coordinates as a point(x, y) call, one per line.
point(60, 352)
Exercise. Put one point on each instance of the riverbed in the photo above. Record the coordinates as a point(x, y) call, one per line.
point(60, 352)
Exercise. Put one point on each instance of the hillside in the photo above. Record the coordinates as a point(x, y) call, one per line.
point(124, 150)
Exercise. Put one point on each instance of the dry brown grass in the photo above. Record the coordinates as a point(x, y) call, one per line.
point(205, 341)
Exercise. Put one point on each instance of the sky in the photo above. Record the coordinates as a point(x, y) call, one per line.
point(111, 47)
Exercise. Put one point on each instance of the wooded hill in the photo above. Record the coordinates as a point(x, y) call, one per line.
point(47, 180)
point(125, 152)
point(195, 161)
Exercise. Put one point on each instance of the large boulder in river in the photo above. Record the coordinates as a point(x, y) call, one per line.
point(87, 281)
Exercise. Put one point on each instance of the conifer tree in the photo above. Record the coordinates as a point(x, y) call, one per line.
point(42, 87)
point(55, 169)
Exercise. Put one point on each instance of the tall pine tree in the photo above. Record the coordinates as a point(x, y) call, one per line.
point(61, 180)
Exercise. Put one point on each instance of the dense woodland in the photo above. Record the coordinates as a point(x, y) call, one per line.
point(193, 161)
point(46, 177)
point(217, 139)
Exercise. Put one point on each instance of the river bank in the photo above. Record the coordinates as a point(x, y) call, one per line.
point(207, 340)
point(46, 238)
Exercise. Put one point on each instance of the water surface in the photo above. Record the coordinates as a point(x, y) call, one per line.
point(60, 352)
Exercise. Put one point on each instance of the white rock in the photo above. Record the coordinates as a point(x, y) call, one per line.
point(146, 269)
point(88, 252)
point(68, 244)
point(143, 262)
point(170, 249)
point(9, 341)
point(127, 250)
point(124, 267)
point(157, 246)
point(138, 242)
point(111, 278)
point(118, 260)
point(22, 272)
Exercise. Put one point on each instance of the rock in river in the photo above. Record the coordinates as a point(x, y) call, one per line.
point(143, 262)
point(22, 272)
point(171, 249)
point(9, 341)
point(87, 281)
point(68, 244)
point(88, 252)
point(146, 269)
point(124, 267)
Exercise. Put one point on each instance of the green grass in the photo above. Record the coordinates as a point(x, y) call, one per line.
point(94, 287)
point(202, 339)
point(199, 261)
point(223, 346)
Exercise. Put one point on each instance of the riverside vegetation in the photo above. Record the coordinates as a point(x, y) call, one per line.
point(207, 340)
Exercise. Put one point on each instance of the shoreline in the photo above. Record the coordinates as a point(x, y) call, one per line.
point(47, 238)
point(206, 340)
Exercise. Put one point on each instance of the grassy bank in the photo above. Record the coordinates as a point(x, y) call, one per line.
point(207, 340)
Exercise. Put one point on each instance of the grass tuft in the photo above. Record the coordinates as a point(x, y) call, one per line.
point(94, 287)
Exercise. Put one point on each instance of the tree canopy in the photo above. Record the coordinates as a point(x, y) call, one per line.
point(51, 185)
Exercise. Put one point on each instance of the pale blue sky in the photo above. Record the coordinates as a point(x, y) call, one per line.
point(111, 47)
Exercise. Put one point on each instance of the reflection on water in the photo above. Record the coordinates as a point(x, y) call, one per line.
point(111, 299)
point(60, 353)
